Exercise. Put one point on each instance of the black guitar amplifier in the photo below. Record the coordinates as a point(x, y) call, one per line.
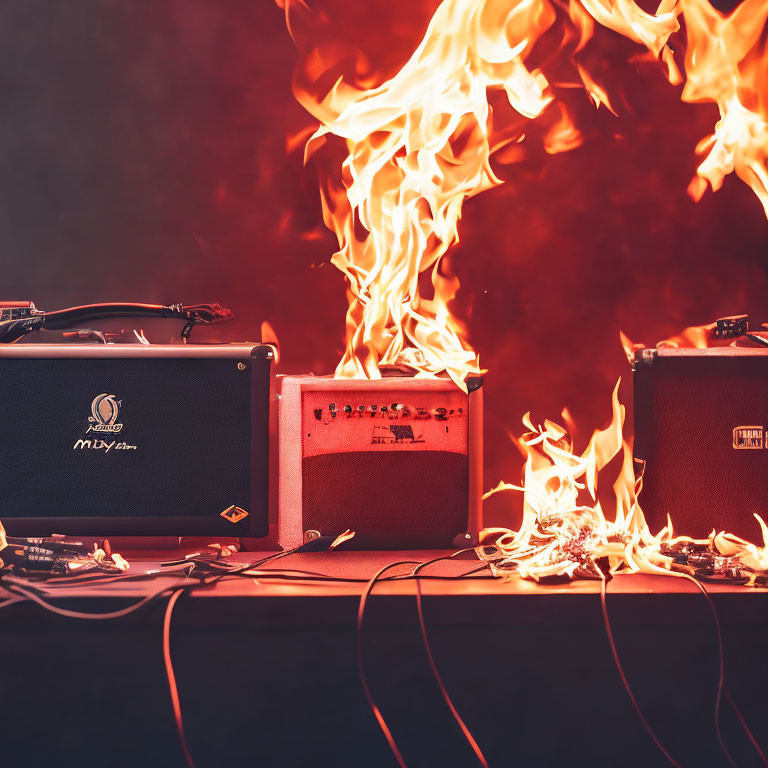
point(701, 426)
point(134, 440)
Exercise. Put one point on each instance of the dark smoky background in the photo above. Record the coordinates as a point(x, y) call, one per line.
point(148, 152)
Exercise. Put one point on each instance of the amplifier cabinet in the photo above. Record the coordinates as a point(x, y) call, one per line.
point(134, 440)
point(700, 427)
point(396, 460)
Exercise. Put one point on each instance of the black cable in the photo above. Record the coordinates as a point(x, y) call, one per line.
point(361, 665)
point(171, 676)
point(311, 576)
point(193, 313)
point(30, 591)
point(288, 576)
point(317, 576)
point(62, 583)
point(250, 566)
point(721, 687)
point(67, 318)
point(722, 690)
point(623, 677)
point(433, 666)
point(367, 592)
point(744, 725)
point(721, 672)
point(36, 598)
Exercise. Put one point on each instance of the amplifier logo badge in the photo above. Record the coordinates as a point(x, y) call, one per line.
point(104, 411)
point(394, 434)
point(748, 438)
point(234, 514)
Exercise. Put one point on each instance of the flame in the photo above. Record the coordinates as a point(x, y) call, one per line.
point(733, 331)
point(3, 539)
point(416, 146)
point(108, 560)
point(692, 337)
point(565, 534)
point(268, 336)
point(120, 562)
point(726, 61)
point(341, 538)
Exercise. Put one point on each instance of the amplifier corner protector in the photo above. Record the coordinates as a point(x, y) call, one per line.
point(234, 514)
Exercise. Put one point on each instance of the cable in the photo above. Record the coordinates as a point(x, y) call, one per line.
point(250, 566)
point(721, 688)
point(425, 639)
point(721, 675)
point(171, 676)
point(744, 725)
point(295, 574)
point(623, 677)
point(367, 592)
point(13, 587)
point(29, 591)
point(310, 576)
point(63, 583)
point(360, 665)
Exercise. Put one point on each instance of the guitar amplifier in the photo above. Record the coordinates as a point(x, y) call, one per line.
point(700, 427)
point(134, 440)
point(396, 460)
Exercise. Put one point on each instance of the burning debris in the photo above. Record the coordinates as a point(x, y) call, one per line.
point(418, 145)
point(565, 534)
point(57, 556)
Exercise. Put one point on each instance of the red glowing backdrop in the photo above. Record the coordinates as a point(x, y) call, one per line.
point(143, 156)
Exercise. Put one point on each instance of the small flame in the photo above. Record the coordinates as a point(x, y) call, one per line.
point(3, 539)
point(629, 346)
point(222, 550)
point(692, 337)
point(731, 331)
point(753, 556)
point(597, 93)
point(106, 559)
point(341, 538)
point(120, 562)
point(268, 336)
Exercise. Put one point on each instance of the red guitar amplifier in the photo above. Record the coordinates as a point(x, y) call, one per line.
point(396, 460)
point(700, 426)
point(134, 440)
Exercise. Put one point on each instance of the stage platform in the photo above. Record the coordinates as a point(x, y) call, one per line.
point(267, 670)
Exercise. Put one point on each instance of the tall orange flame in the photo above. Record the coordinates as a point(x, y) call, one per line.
point(420, 144)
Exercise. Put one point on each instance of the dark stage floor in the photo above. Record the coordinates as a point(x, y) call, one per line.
point(267, 671)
